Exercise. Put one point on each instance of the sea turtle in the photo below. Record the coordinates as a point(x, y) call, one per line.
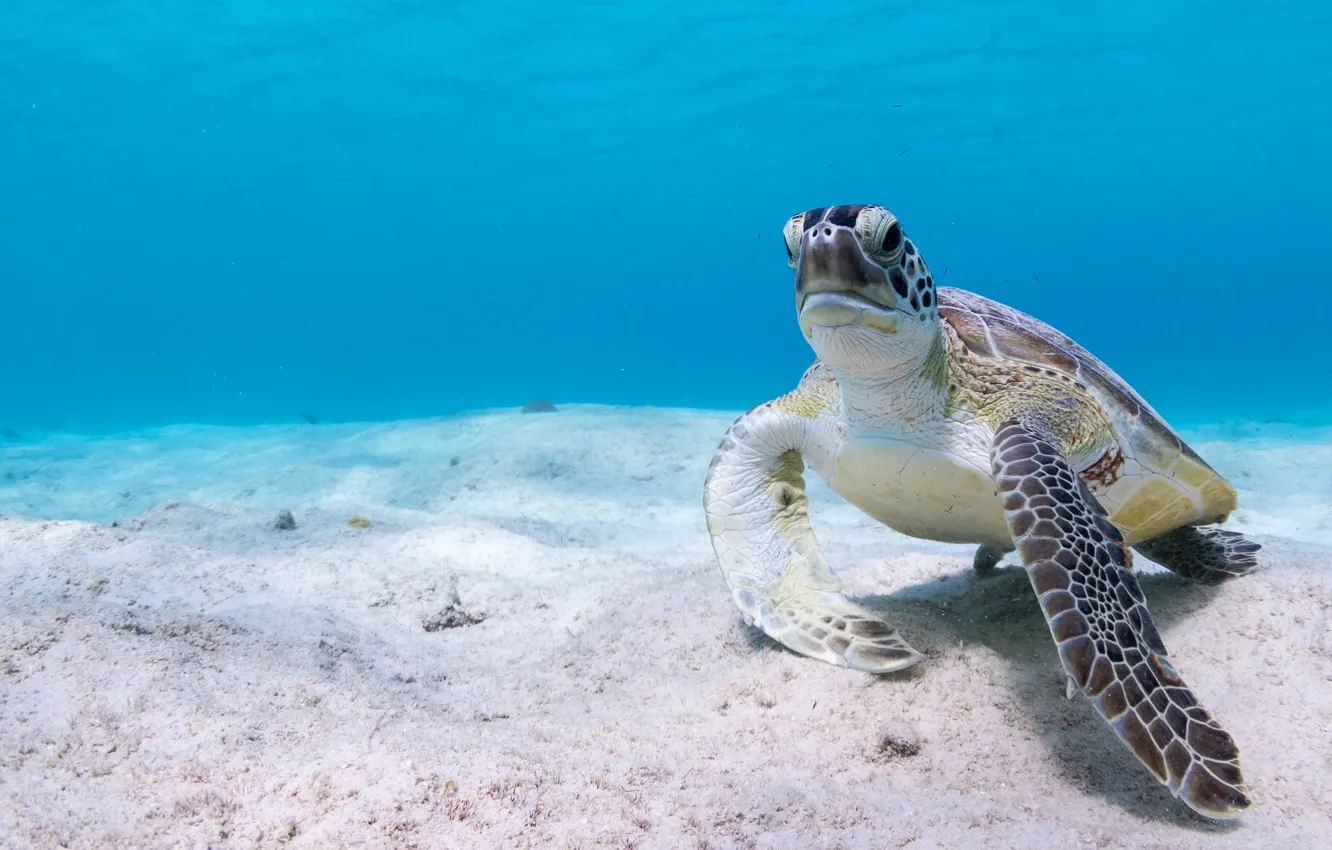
point(950, 417)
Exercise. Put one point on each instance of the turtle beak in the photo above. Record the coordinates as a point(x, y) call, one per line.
point(837, 285)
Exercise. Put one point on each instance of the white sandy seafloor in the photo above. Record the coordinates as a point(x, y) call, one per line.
point(531, 646)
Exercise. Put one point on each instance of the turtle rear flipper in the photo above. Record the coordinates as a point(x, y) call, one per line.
point(988, 557)
point(758, 517)
point(1110, 649)
point(1205, 554)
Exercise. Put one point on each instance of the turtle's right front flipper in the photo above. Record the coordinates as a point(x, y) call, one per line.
point(1076, 559)
point(758, 518)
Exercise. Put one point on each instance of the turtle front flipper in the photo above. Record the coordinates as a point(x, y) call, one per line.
point(1076, 561)
point(758, 517)
point(1203, 554)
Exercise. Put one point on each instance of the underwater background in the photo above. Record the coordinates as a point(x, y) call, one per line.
point(284, 565)
point(240, 212)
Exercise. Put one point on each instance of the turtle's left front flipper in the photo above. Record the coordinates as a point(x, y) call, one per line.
point(1075, 558)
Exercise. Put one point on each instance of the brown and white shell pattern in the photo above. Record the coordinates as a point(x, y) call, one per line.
point(1151, 481)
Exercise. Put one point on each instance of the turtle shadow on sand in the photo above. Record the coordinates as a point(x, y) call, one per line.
point(999, 611)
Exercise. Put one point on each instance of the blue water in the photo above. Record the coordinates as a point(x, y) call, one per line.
point(239, 211)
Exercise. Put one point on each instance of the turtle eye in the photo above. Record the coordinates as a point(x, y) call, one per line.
point(892, 239)
point(881, 234)
point(791, 236)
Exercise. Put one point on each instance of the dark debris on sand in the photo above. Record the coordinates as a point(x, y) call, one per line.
point(285, 521)
point(452, 616)
point(539, 405)
point(899, 741)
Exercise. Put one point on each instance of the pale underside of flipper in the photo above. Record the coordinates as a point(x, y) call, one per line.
point(1110, 649)
point(758, 517)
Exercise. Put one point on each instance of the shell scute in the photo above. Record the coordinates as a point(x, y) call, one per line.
point(991, 329)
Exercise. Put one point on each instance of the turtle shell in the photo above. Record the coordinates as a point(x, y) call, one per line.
point(1156, 482)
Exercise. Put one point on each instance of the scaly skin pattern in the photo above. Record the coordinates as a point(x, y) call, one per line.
point(1148, 479)
point(1205, 555)
point(993, 390)
point(1110, 649)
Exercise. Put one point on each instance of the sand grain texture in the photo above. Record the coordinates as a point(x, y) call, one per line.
point(531, 646)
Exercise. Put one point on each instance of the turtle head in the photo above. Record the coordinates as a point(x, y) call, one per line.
point(865, 299)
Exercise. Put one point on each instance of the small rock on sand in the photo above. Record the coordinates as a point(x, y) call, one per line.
point(539, 405)
point(451, 616)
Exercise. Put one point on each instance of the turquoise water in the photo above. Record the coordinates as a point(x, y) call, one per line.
point(238, 212)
